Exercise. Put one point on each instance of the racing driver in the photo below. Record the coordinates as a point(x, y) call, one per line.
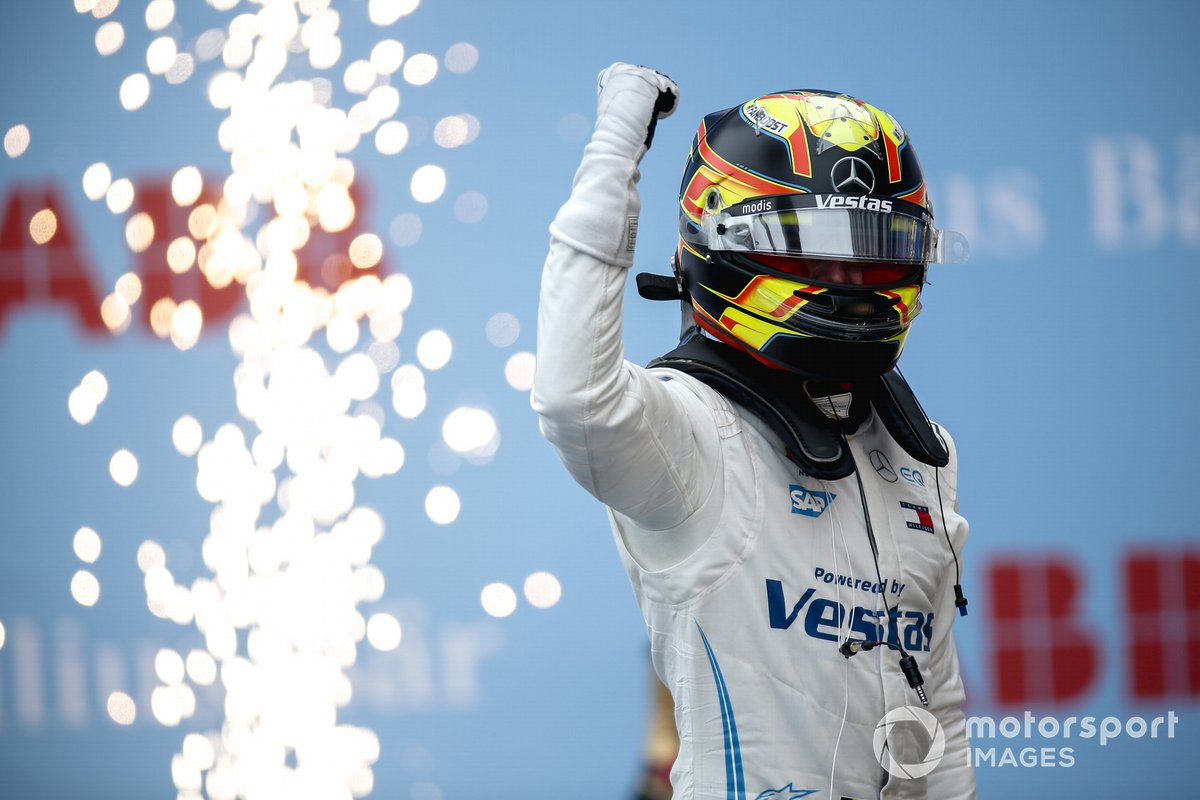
point(786, 512)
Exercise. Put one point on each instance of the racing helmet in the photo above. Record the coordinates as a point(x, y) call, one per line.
point(805, 229)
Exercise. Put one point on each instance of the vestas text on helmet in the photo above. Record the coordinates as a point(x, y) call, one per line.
point(853, 201)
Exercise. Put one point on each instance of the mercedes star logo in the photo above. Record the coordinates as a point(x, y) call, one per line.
point(852, 174)
point(884, 467)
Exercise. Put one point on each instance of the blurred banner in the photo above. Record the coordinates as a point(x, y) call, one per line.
point(278, 517)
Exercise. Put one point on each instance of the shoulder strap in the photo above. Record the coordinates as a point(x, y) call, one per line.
point(905, 420)
point(811, 440)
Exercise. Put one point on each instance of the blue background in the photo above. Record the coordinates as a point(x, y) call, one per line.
point(1062, 358)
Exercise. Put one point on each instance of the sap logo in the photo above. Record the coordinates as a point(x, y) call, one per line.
point(825, 619)
point(757, 207)
point(785, 793)
point(810, 503)
point(853, 201)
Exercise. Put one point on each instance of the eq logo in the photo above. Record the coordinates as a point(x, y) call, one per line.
point(912, 476)
point(809, 503)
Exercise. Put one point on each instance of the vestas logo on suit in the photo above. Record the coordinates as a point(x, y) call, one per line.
point(824, 618)
point(809, 503)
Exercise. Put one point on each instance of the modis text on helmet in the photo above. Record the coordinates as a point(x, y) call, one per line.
point(756, 207)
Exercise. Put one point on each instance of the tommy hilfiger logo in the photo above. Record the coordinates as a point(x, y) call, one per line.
point(917, 517)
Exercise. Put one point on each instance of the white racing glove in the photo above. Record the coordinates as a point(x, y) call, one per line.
point(600, 217)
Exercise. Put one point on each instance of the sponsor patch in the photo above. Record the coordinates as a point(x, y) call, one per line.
point(917, 517)
point(785, 793)
point(808, 502)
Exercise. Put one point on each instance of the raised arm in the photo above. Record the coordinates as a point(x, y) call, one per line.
point(642, 446)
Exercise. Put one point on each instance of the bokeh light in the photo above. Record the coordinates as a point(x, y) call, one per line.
point(201, 667)
point(114, 311)
point(159, 14)
point(366, 250)
point(186, 324)
point(119, 195)
point(109, 38)
point(359, 77)
point(150, 554)
point(519, 371)
point(391, 137)
point(139, 232)
point(129, 288)
point(428, 183)
point(121, 708)
point(502, 329)
point(461, 57)
point(43, 226)
point(466, 429)
point(470, 207)
point(123, 467)
point(168, 666)
point(450, 132)
point(542, 590)
point(420, 69)
point(186, 185)
point(96, 180)
point(434, 349)
point(87, 396)
point(387, 56)
point(383, 632)
point(160, 55)
point(408, 391)
point(187, 435)
point(181, 254)
point(95, 385)
point(383, 101)
point(405, 229)
point(498, 599)
point(135, 91)
point(16, 140)
point(181, 69)
point(80, 406)
point(442, 505)
point(86, 545)
point(102, 8)
point(85, 588)
point(386, 12)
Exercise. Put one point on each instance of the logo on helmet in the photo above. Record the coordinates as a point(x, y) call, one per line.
point(851, 174)
point(865, 203)
point(756, 207)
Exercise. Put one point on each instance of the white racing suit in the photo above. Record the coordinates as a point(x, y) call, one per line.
point(749, 573)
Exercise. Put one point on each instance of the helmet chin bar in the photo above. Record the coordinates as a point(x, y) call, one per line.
point(823, 351)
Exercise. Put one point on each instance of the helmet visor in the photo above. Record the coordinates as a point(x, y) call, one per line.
point(838, 226)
